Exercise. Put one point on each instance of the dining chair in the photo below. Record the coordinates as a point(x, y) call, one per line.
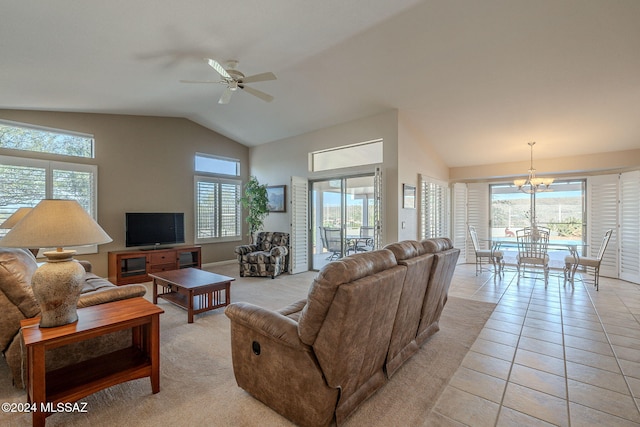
point(533, 243)
point(588, 263)
point(494, 257)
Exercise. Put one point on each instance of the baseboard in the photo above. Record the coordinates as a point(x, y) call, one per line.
point(219, 263)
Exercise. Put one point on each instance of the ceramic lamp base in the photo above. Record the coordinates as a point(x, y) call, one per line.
point(57, 286)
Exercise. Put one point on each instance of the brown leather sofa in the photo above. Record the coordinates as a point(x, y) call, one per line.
point(17, 303)
point(318, 359)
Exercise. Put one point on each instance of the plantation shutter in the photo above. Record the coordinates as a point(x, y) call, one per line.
point(629, 235)
point(377, 208)
point(459, 227)
point(299, 255)
point(434, 208)
point(478, 214)
point(206, 208)
point(602, 215)
point(230, 210)
point(218, 213)
point(25, 182)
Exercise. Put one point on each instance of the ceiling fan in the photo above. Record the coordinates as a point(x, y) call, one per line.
point(235, 80)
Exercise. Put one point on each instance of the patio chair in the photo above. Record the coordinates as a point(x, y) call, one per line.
point(365, 242)
point(332, 242)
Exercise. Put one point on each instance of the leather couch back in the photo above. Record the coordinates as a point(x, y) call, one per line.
point(16, 297)
point(444, 264)
point(403, 340)
point(348, 320)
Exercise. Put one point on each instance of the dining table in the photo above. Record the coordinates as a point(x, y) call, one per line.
point(575, 248)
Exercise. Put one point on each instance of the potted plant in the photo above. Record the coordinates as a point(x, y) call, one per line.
point(255, 200)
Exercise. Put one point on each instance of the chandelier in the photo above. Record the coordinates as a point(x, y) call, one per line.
point(533, 184)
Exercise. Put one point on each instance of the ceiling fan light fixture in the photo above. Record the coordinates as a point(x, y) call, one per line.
point(235, 80)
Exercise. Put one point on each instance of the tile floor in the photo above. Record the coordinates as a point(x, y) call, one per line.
point(560, 355)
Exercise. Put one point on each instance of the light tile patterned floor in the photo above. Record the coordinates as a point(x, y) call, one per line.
point(555, 355)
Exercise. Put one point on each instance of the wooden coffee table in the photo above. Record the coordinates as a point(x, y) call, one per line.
point(191, 288)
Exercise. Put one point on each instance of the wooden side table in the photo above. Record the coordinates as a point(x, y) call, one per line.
point(71, 383)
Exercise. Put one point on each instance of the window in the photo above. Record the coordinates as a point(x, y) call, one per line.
point(24, 182)
point(434, 208)
point(366, 153)
point(21, 136)
point(218, 213)
point(217, 165)
point(561, 209)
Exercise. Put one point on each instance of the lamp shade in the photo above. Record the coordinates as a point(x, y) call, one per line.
point(15, 217)
point(55, 223)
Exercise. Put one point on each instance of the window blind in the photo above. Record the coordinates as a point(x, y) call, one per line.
point(218, 213)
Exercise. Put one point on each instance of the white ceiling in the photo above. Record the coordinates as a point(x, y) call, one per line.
point(477, 79)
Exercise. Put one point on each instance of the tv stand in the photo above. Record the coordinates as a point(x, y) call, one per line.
point(134, 266)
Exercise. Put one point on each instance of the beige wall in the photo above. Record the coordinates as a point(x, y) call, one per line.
point(564, 166)
point(144, 164)
point(415, 156)
point(275, 163)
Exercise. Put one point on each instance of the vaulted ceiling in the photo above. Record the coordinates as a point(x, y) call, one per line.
point(477, 79)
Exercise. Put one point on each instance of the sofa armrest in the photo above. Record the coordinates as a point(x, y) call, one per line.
point(111, 293)
point(86, 264)
point(272, 364)
point(279, 251)
point(270, 323)
point(293, 308)
point(245, 249)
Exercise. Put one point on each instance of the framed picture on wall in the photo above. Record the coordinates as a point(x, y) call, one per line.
point(408, 196)
point(277, 198)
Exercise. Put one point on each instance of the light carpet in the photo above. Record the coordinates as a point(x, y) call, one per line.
point(197, 386)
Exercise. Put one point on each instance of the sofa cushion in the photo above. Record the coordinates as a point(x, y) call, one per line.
point(259, 257)
point(16, 270)
point(405, 329)
point(444, 264)
point(438, 244)
point(97, 290)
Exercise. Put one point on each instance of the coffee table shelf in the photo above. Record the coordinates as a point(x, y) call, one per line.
point(195, 290)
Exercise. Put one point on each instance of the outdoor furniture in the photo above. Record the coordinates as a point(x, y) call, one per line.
point(332, 242)
point(589, 263)
point(491, 255)
point(364, 243)
point(532, 251)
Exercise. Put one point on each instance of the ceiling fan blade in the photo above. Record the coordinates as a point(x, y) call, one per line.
point(226, 96)
point(201, 81)
point(259, 94)
point(219, 68)
point(262, 77)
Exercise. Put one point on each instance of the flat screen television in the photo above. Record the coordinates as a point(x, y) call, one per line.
point(153, 228)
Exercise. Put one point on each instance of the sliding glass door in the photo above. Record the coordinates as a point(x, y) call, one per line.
point(343, 217)
point(562, 210)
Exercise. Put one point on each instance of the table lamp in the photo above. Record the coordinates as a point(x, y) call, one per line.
point(58, 282)
point(14, 219)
